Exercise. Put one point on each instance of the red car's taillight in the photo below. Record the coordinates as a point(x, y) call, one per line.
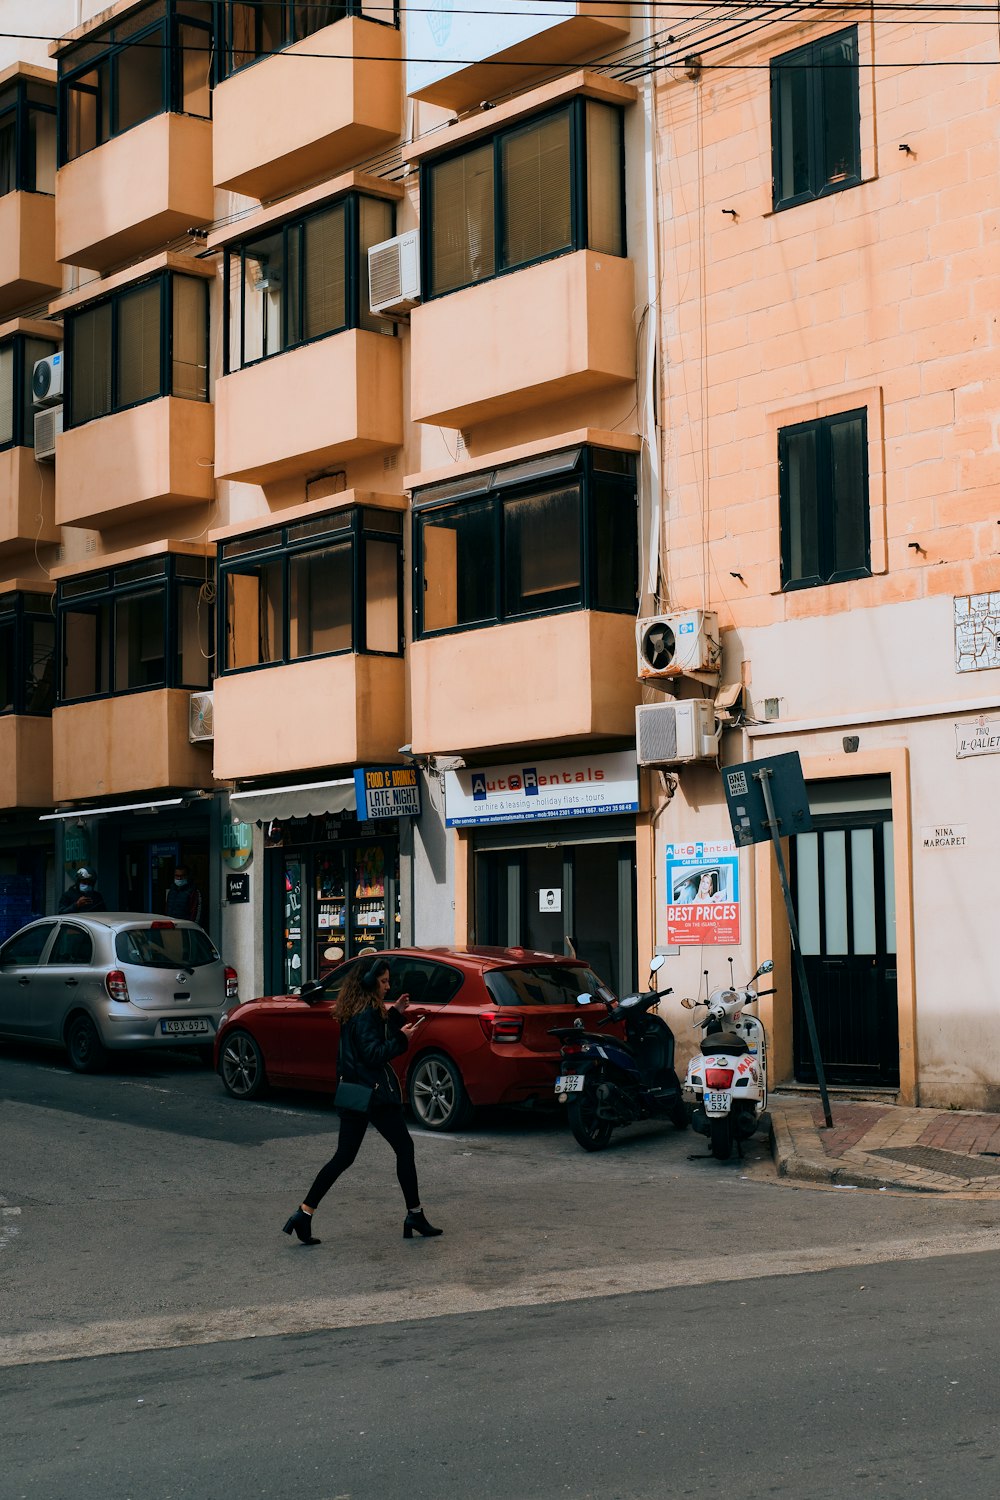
point(232, 985)
point(116, 985)
point(718, 1078)
point(501, 1028)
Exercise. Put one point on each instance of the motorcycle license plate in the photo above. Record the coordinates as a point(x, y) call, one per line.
point(570, 1083)
point(716, 1101)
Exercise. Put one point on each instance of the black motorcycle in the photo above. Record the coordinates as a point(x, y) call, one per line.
point(607, 1081)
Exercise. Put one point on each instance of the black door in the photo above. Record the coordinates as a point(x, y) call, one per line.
point(842, 880)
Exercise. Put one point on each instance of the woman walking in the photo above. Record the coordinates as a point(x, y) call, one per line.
point(370, 1034)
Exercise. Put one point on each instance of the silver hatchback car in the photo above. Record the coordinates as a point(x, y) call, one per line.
point(113, 980)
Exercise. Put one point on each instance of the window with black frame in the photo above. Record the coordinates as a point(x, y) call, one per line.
point(256, 29)
point(304, 280)
point(321, 587)
point(27, 137)
point(825, 534)
point(547, 535)
point(27, 654)
point(815, 119)
point(145, 341)
point(18, 356)
point(541, 188)
point(145, 624)
point(157, 59)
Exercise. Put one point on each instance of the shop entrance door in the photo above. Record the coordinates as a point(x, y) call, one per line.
point(843, 883)
point(565, 899)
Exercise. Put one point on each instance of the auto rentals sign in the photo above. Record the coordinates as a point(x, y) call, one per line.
point(520, 792)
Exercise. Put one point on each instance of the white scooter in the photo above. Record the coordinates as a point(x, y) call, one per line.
point(727, 1083)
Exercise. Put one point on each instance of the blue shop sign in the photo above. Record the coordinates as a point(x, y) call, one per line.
point(387, 792)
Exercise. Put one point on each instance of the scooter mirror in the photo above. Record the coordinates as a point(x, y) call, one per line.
point(657, 963)
point(765, 967)
point(583, 999)
point(688, 1003)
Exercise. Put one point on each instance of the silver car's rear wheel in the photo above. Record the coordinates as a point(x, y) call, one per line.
point(241, 1066)
point(437, 1093)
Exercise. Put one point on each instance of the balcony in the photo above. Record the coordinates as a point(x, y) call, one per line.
point(135, 463)
point(134, 743)
point(561, 329)
point(292, 119)
point(135, 193)
point(346, 710)
point(557, 678)
point(27, 501)
point(339, 398)
point(29, 271)
point(25, 761)
point(525, 44)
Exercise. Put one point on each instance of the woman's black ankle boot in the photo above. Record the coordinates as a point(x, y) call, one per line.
point(301, 1224)
point(417, 1220)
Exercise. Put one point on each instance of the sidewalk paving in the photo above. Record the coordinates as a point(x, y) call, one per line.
point(886, 1146)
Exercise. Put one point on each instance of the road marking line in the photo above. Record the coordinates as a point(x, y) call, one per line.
point(326, 1314)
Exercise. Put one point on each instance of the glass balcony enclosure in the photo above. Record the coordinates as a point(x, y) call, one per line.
point(18, 356)
point(27, 137)
point(142, 625)
point(157, 59)
point(256, 29)
point(27, 654)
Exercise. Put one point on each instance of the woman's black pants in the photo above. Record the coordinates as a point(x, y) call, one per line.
point(390, 1124)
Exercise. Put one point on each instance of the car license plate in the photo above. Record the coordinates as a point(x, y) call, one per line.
point(717, 1099)
point(570, 1083)
point(184, 1026)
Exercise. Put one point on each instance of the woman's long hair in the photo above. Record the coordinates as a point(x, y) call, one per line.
point(355, 997)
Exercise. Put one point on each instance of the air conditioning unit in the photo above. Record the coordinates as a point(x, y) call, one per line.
point(672, 734)
point(394, 275)
point(48, 426)
point(201, 718)
point(685, 644)
point(47, 381)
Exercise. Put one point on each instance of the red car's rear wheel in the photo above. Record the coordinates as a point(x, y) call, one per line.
point(241, 1066)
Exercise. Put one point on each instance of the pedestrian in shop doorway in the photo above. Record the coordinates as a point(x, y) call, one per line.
point(371, 1034)
point(83, 895)
point(183, 897)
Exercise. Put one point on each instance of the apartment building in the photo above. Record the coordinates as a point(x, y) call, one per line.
point(828, 200)
point(343, 570)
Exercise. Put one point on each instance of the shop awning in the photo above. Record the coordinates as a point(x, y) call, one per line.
point(312, 799)
point(121, 807)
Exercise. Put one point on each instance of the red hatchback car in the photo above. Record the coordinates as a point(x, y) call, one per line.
point(484, 1037)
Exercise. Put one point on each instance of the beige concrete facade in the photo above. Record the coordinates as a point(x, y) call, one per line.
point(27, 502)
point(29, 271)
point(113, 746)
point(25, 761)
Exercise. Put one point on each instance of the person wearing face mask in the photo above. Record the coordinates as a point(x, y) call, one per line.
point(83, 894)
point(183, 897)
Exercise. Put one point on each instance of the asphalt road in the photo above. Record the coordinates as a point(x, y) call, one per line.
point(633, 1323)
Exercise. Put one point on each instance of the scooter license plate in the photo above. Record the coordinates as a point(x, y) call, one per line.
point(570, 1083)
point(716, 1101)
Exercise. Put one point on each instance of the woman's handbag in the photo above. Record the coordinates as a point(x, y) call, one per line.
point(356, 1096)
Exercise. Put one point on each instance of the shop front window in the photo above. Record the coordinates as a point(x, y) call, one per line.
point(27, 654)
point(553, 533)
point(337, 896)
point(155, 60)
point(319, 588)
point(142, 625)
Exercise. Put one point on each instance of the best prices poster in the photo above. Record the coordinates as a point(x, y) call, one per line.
point(703, 894)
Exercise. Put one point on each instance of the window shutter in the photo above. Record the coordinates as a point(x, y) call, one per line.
point(189, 377)
point(90, 364)
point(536, 191)
point(139, 345)
point(462, 209)
point(325, 279)
point(7, 394)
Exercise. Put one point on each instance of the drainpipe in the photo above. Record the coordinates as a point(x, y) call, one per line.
point(650, 463)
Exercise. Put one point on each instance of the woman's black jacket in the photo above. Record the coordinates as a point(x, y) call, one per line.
point(367, 1042)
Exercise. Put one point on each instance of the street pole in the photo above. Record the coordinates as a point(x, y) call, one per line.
point(764, 777)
